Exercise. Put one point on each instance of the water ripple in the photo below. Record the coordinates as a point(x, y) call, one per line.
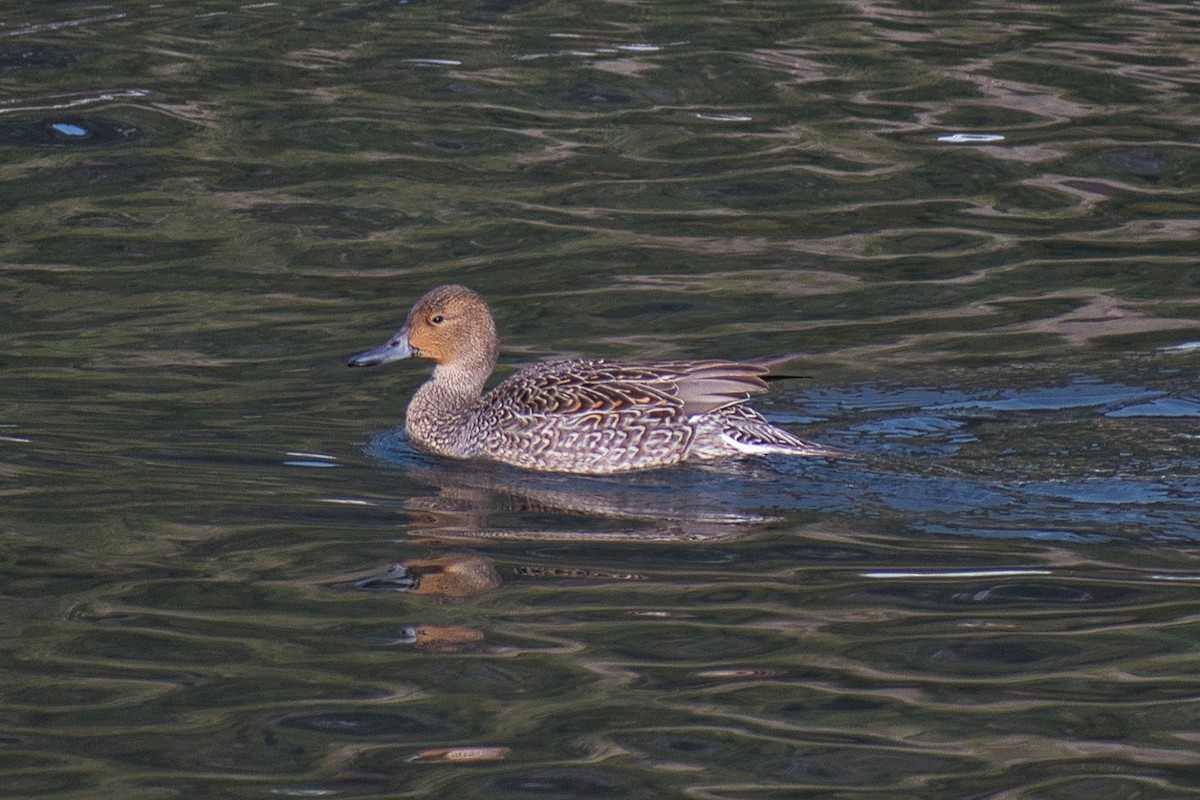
point(995, 598)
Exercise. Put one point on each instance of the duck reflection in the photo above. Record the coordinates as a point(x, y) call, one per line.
point(479, 501)
point(436, 638)
point(445, 576)
point(456, 504)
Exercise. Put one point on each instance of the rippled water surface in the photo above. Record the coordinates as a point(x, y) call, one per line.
point(225, 573)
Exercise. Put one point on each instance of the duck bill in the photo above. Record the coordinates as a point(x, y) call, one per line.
point(395, 349)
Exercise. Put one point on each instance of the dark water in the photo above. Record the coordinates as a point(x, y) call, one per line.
point(223, 573)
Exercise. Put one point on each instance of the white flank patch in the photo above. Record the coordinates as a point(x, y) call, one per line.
point(754, 448)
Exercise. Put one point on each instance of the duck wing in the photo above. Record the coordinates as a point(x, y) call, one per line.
point(671, 389)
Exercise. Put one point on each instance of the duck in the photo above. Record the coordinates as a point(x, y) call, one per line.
point(589, 416)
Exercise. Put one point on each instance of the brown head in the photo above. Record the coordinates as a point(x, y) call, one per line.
point(451, 326)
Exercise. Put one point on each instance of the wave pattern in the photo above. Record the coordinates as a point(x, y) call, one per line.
point(978, 227)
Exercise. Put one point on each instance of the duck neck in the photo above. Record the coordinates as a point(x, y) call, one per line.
point(455, 387)
point(437, 415)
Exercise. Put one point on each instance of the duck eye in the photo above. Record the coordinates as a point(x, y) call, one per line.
point(437, 319)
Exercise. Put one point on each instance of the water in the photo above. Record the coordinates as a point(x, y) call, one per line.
point(224, 573)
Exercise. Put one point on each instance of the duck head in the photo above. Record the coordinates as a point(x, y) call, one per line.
point(450, 325)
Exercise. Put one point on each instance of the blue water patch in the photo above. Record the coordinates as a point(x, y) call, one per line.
point(874, 397)
point(1107, 491)
point(913, 426)
point(1079, 393)
point(1082, 392)
point(1160, 407)
point(69, 129)
point(58, 132)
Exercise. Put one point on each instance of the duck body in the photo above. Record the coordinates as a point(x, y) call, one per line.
point(586, 416)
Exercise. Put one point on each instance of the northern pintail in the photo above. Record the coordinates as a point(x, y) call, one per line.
point(587, 416)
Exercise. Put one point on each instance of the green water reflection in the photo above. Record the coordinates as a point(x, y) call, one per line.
point(223, 573)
